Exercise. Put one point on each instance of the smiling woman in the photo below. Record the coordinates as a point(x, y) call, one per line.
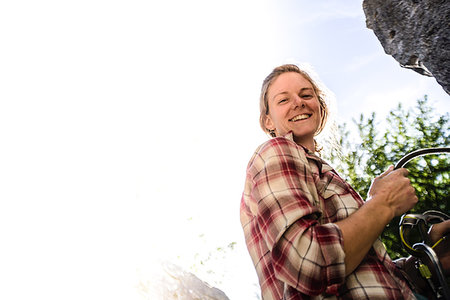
point(309, 234)
point(292, 101)
point(294, 106)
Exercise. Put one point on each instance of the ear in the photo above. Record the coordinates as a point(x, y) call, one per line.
point(269, 123)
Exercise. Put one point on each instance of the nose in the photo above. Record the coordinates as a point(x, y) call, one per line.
point(298, 102)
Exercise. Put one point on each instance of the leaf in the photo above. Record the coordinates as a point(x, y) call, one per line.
point(404, 132)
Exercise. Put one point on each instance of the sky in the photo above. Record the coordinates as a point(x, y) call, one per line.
point(126, 128)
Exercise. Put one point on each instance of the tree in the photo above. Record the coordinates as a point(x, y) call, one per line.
point(381, 144)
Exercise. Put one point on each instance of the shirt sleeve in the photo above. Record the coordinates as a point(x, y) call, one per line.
point(306, 255)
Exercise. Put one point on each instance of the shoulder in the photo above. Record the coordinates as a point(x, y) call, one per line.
point(279, 146)
point(275, 151)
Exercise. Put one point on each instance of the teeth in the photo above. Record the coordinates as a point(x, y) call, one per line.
point(300, 117)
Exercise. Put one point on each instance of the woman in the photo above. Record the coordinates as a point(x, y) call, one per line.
point(309, 234)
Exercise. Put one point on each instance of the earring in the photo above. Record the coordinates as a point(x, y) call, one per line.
point(272, 132)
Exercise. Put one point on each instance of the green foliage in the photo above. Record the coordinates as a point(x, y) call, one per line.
point(381, 144)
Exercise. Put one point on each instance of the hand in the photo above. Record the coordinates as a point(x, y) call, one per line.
point(442, 250)
point(394, 190)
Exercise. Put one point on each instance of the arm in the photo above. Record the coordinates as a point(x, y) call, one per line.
point(307, 255)
point(284, 202)
point(442, 250)
point(390, 195)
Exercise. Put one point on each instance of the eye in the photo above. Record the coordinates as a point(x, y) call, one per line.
point(282, 100)
point(306, 96)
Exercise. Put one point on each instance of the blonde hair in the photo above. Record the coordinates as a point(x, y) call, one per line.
point(319, 89)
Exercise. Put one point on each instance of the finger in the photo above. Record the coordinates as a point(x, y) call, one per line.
point(441, 229)
point(389, 170)
point(402, 171)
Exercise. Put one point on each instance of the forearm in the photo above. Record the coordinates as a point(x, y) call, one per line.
point(361, 229)
point(391, 194)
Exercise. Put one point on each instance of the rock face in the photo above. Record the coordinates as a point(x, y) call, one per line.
point(415, 32)
point(170, 282)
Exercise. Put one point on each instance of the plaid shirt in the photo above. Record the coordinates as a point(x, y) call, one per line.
point(289, 207)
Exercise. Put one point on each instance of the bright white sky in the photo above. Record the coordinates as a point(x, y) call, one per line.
point(126, 128)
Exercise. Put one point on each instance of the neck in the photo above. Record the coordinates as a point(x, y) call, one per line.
point(307, 143)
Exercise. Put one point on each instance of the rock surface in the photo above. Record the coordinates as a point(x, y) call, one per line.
point(170, 282)
point(415, 32)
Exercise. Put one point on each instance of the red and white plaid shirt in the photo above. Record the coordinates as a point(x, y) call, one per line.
point(289, 207)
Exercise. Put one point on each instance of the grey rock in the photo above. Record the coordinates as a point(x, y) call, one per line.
point(170, 282)
point(415, 32)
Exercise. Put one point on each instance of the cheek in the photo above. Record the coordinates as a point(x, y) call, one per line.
point(276, 114)
point(320, 118)
point(318, 108)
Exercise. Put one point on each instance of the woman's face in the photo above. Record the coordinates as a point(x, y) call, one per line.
point(293, 106)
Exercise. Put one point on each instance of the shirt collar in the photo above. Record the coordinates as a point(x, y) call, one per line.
point(323, 165)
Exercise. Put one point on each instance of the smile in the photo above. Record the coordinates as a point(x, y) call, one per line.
point(300, 117)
